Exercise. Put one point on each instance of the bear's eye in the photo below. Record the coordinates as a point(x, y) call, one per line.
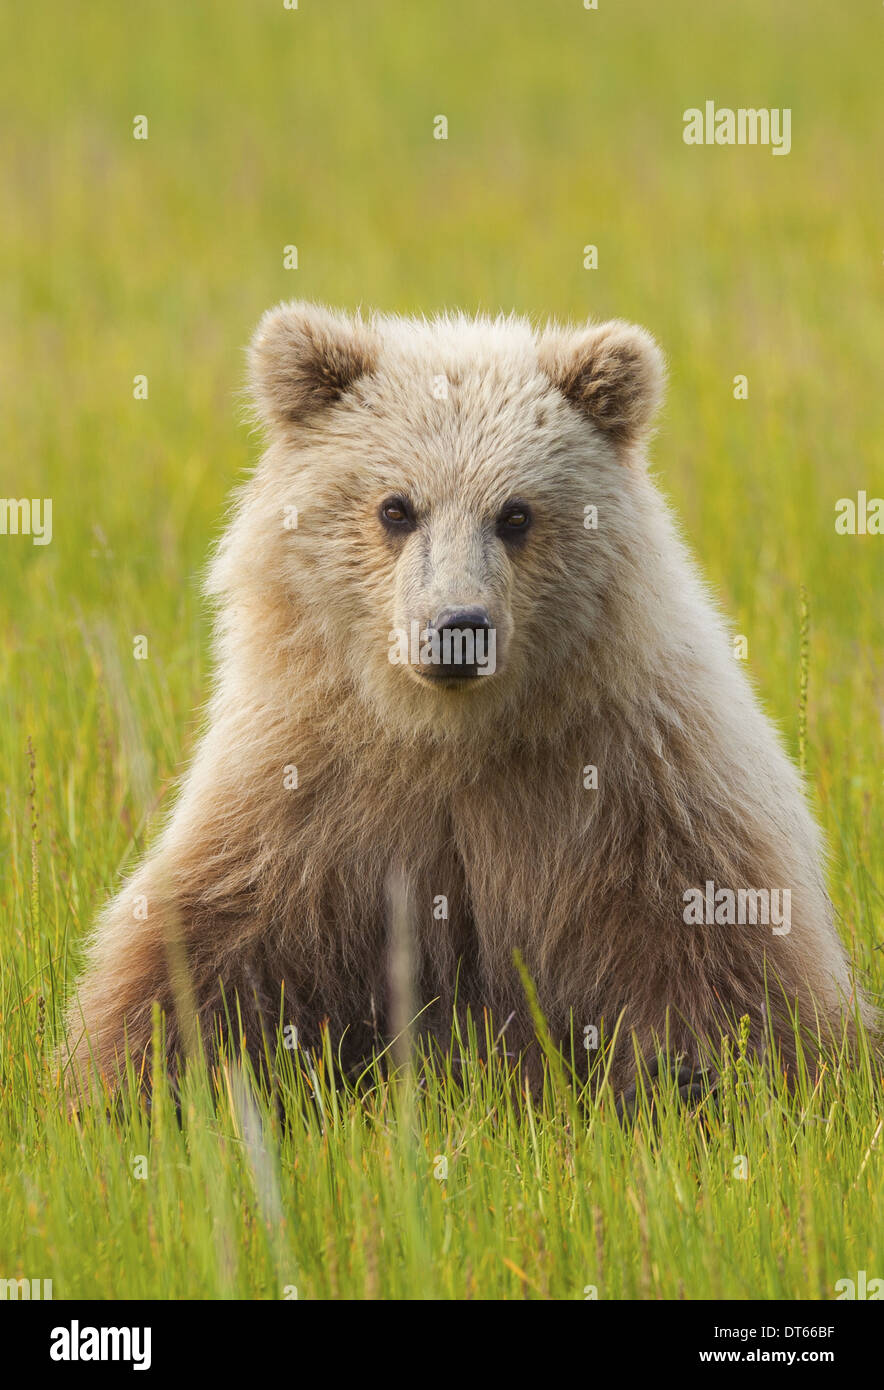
point(397, 514)
point(514, 519)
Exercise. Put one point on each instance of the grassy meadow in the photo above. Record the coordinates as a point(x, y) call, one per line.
point(123, 258)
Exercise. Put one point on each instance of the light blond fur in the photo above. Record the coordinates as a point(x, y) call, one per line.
point(610, 653)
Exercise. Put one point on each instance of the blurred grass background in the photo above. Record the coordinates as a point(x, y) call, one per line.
point(314, 127)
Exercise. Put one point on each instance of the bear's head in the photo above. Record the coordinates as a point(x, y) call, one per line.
point(444, 505)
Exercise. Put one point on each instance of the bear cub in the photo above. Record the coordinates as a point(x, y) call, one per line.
point(460, 646)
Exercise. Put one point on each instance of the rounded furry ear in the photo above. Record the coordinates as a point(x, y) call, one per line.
point(303, 358)
point(613, 372)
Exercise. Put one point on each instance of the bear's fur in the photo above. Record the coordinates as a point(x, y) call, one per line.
point(609, 653)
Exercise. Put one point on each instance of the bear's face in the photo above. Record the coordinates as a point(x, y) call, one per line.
point(444, 477)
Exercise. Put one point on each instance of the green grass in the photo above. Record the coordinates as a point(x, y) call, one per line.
point(120, 257)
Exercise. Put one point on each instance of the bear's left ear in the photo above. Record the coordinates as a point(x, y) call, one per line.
point(612, 372)
point(303, 358)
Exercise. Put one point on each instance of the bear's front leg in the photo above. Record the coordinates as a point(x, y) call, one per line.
point(158, 943)
point(694, 1084)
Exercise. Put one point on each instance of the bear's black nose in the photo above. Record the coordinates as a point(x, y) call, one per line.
point(463, 642)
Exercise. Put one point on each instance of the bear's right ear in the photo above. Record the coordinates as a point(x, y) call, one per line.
point(303, 358)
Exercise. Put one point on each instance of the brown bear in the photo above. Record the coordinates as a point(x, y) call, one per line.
point(459, 639)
